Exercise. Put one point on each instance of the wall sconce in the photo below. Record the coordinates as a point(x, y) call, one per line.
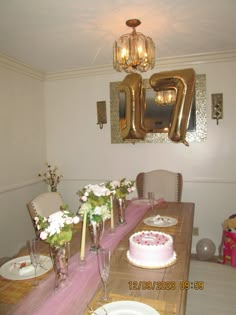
point(101, 114)
point(217, 106)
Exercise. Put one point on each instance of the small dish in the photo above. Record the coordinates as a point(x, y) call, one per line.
point(10, 270)
point(162, 221)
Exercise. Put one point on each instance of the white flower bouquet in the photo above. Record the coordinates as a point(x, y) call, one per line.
point(121, 188)
point(57, 228)
point(96, 202)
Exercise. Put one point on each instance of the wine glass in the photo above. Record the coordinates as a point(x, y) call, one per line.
point(33, 246)
point(104, 257)
point(151, 197)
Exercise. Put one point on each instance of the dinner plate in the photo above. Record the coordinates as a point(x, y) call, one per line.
point(143, 202)
point(126, 308)
point(163, 222)
point(10, 270)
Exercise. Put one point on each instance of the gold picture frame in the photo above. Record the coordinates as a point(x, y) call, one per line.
point(197, 135)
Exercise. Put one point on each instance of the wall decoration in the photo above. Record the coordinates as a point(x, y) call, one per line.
point(156, 129)
point(217, 106)
point(130, 122)
point(182, 83)
point(101, 114)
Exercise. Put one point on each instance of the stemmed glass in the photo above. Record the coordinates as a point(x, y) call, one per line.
point(104, 257)
point(33, 246)
point(151, 197)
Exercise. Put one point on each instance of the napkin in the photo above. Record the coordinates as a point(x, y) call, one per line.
point(26, 269)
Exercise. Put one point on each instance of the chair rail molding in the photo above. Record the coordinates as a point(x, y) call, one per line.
point(185, 180)
point(19, 185)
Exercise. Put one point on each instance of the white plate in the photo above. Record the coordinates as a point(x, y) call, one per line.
point(9, 272)
point(143, 202)
point(164, 222)
point(126, 308)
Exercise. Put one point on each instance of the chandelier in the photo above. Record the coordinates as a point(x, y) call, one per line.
point(133, 52)
point(165, 97)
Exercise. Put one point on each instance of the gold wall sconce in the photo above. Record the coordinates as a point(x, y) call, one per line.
point(101, 114)
point(217, 106)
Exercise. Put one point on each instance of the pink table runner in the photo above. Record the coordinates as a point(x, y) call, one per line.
point(82, 285)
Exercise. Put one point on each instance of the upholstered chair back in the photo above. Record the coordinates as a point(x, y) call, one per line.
point(45, 204)
point(163, 183)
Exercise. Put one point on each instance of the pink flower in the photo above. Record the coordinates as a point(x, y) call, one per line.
point(76, 220)
point(43, 235)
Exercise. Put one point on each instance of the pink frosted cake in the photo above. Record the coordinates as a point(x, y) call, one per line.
point(151, 249)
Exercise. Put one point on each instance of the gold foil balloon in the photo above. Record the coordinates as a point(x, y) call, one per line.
point(183, 82)
point(130, 125)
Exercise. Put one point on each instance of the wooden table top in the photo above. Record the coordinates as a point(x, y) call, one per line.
point(160, 288)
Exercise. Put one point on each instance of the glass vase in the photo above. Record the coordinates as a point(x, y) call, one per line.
point(121, 206)
point(53, 188)
point(60, 258)
point(96, 231)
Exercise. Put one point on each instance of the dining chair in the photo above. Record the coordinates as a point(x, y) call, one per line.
point(44, 205)
point(165, 184)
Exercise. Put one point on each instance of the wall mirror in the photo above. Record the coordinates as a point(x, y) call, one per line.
point(156, 118)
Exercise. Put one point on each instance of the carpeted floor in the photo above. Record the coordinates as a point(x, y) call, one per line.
point(219, 294)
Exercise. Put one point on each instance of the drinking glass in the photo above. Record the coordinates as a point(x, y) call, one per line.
point(104, 257)
point(33, 246)
point(151, 197)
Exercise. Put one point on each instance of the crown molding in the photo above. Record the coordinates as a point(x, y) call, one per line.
point(161, 63)
point(180, 61)
point(15, 65)
point(75, 73)
point(195, 59)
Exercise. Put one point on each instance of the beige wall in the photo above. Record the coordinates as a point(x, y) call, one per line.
point(86, 154)
point(23, 152)
point(55, 120)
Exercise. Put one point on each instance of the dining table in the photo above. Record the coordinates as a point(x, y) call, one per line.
point(164, 289)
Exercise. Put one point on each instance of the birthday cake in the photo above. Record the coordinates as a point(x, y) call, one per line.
point(151, 249)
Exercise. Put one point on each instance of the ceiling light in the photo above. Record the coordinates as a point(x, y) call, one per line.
point(165, 97)
point(133, 52)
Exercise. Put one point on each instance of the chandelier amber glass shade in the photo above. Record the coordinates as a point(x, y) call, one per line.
point(166, 97)
point(133, 52)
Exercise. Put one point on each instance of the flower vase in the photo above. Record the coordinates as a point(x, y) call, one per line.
point(60, 259)
point(121, 206)
point(53, 188)
point(96, 230)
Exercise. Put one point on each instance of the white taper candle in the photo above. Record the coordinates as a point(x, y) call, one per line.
point(112, 213)
point(83, 238)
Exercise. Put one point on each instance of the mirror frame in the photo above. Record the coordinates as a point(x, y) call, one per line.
point(198, 135)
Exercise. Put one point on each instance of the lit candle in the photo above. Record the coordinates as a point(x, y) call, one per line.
point(112, 213)
point(123, 53)
point(140, 51)
point(83, 239)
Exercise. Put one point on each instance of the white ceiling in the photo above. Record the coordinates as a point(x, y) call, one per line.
point(59, 35)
